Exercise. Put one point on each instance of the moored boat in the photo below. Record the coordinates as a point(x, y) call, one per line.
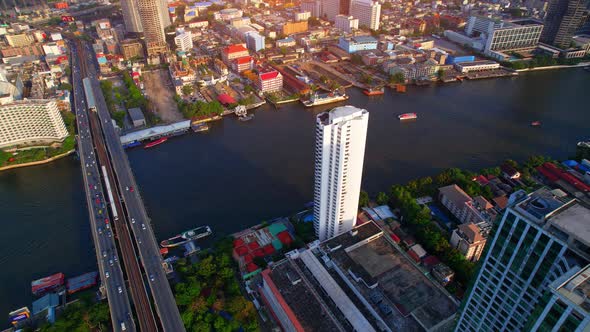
point(374, 91)
point(156, 142)
point(407, 116)
point(536, 123)
point(200, 127)
point(322, 99)
point(185, 237)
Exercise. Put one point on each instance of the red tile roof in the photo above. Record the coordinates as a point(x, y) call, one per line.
point(226, 99)
point(243, 60)
point(234, 49)
point(269, 76)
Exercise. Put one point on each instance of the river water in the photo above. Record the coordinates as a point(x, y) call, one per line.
point(239, 174)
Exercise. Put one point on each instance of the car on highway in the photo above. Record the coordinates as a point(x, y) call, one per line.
point(143, 226)
point(104, 253)
point(133, 220)
point(131, 189)
point(100, 230)
point(115, 258)
point(120, 289)
point(106, 221)
point(152, 279)
point(109, 233)
point(111, 262)
point(106, 274)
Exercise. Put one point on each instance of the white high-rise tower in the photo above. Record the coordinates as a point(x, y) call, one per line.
point(367, 11)
point(339, 154)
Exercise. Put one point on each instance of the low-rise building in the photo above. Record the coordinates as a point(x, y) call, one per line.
point(242, 64)
point(357, 43)
point(302, 16)
point(270, 81)
point(468, 239)
point(183, 40)
point(31, 123)
point(233, 52)
point(136, 116)
point(255, 41)
point(466, 67)
point(459, 204)
point(131, 48)
point(294, 27)
point(287, 42)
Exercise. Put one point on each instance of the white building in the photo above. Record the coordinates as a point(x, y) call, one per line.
point(302, 16)
point(339, 154)
point(346, 23)
point(314, 7)
point(31, 123)
point(499, 36)
point(184, 40)
point(367, 12)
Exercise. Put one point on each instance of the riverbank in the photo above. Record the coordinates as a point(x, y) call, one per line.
point(40, 162)
point(582, 64)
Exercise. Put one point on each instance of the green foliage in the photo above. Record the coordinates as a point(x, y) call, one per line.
point(107, 90)
point(134, 97)
point(119, 116)
point(199, 108)
point(305, 231)
point(382, 198)
point(417, 219)
point(187, 90)
point(363, 199)
point(65, 86)
point(82, 316)
point(397, 78)
point(210, 286)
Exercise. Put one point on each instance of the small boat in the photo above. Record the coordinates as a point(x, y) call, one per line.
point(407, 116)
point(200, 127)
point(374, 91)
point(131, 144)
point(536, 123)
point(246, 117)
point(156, 142)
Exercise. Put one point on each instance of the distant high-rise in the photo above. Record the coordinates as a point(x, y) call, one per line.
point(563, 18)
point(539, 239)
point(131, 16)
point(339, 154)
point(330, 8)
point(152, 20)
point(367, 11)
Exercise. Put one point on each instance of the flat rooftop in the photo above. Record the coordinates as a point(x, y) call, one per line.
point(577, 289)
point(416, 301)
point(300, 298)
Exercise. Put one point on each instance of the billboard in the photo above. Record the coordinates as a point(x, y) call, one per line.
point(19, 315)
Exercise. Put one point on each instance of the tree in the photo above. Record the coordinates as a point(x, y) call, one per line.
point(187, 90)
point(382, 198)
point(440, 73)
point(363, 199)
point(397, 78)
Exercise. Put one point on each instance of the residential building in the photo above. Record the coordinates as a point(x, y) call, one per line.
point(302, 16)
point(357, 43)
point(562, 20)
point(131, 16)
point(150, 13)
point(329, 9)
point(255, 41)
point(20, 40)
point(242, 64)
point(32, 50)
point(567, 308)
point(136, 116)
point(232, 52)
point(346, 23)
point(539, 239)
point(183, 40)
point(287, 42)
point(314, 7)
point(31, 123)
point(368, 13)
point(468, 239)
point(499, 36)
point(339, 154)
point(269, 81)
point(459, 204)
point(294, 27)
point(131, 48)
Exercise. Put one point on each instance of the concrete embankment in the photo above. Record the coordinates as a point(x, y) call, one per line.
point(582, 64)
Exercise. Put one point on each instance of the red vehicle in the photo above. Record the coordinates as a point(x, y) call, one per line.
point(97, 201)
point(106, 221)
point(131, 189)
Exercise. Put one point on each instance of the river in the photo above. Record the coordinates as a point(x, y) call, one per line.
point(239, 174)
